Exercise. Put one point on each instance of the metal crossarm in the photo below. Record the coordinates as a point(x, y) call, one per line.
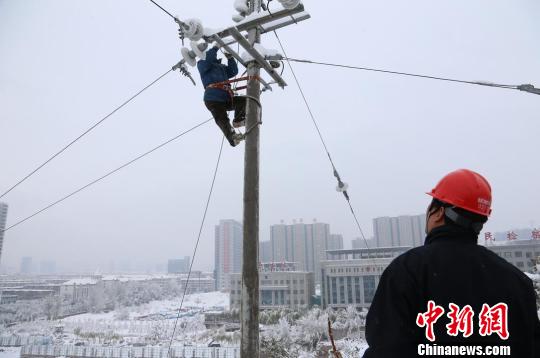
point(261, 20)
point(238, 58)
point(257, 56)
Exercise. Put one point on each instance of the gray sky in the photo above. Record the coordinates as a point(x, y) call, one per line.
point(65, 64)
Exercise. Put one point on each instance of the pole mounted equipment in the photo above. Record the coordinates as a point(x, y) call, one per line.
point(529, 88)
point(199, 49)
point(181, 67)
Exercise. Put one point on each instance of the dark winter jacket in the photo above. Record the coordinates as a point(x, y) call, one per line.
point(212, 71)
point(450, 268)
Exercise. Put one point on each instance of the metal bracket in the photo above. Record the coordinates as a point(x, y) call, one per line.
point(264, 19)
point(237, 57)
point(257, 56)
point(529, 88)
point(181, 67)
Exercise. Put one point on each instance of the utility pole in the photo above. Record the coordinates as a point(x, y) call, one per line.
point(249, 315)
point(293, 12)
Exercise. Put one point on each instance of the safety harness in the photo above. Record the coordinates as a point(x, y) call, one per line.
point(226, 85)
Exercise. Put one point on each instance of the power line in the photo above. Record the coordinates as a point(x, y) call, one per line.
point(168, 13)
point(105, 176)
point(524, 87)
point(196, 245)
point(341, 185)
point(83, 134)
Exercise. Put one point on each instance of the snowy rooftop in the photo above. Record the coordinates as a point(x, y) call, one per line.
point(81, 281)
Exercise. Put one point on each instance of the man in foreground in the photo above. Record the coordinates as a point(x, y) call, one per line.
point(452, 295)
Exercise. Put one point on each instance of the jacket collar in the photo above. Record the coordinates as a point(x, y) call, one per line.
point(450, 233)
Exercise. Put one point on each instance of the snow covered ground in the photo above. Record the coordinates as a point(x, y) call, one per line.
point(152, 324)
point(10, 352)
point(204, 301)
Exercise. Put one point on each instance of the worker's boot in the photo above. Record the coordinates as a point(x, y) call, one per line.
point(239, 123)
point(237, 138)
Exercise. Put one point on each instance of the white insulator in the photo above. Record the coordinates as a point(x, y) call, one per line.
point(189, 56)
point(241, 6)
point(289, 4)
point(193, 29)
point(343, 188)
point(238, 17)
point(199, 49)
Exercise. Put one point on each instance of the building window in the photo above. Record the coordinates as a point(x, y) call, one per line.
point(521, 264)
point(349, 290)
point(342, 290)
point(369, 288)
point(334, 290)
point(357, 290)
point(528, 255)
point(266, 297)
point(518, 254)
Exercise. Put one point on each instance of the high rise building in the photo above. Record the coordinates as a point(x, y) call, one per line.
point(26, 265)
point(265, 251)
point(3, 219)
point(360, 243)
point(304, 244)
point(178, 265)
point(406, 230)
point(228, 252)
point(47, 267)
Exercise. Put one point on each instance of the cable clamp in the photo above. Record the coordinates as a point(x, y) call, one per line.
point(529, 88)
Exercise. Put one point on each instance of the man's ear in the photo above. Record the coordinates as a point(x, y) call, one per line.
point(439, 214)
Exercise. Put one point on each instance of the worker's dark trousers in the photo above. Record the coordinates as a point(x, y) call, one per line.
point(219, 112)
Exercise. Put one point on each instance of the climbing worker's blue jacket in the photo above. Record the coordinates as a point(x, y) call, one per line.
point(212, 71)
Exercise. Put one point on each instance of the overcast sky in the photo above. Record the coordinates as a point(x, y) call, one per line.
point(65, 64)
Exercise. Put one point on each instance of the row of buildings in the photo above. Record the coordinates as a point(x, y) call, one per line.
point(77, 289)
point(300, 257)
point(306, 244)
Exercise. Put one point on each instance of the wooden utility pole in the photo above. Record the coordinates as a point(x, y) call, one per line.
point(249, 346)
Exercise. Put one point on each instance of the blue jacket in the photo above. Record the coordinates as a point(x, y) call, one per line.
point(212, 71)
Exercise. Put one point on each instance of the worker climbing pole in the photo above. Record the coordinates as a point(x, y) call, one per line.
point(220, 97)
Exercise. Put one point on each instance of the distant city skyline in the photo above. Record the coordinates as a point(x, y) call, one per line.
point(139, 265)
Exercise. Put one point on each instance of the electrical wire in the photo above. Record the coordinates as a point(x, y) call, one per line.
point(83, 134)
point(479, 83)
point(165, 11)
point(105, 176)
point(340, 183)
point(196, 245)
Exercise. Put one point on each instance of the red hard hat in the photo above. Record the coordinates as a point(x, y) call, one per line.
point(464, 189)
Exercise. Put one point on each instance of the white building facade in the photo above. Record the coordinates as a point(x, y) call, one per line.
point(524, 254)
point(227, 252)
point(280, 286)
point(406, 230)
point(305, 244)
point(351, 277)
